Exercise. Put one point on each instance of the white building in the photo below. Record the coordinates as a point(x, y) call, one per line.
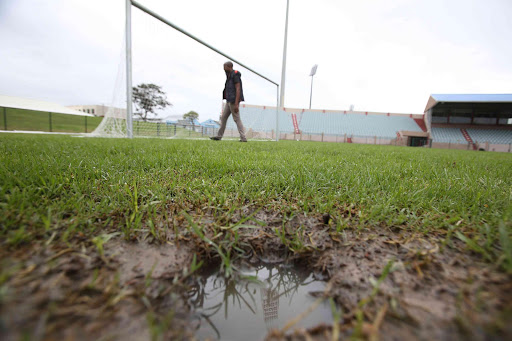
point(96, 110)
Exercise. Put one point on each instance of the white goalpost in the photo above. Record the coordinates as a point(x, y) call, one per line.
point(119, 120)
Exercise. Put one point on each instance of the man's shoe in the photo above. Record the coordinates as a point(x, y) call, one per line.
point(215, 138)
point(243, 141)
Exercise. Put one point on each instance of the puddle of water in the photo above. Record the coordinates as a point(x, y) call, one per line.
point(258, 299)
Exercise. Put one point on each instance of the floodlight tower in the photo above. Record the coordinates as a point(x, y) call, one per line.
point(311, 74)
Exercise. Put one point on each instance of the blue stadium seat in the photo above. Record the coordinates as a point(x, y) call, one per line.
point(338, 123)
point(262, 120)
point(331, 123)
point(490, 135)
point(448, 135)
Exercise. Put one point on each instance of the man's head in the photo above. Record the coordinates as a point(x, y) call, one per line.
point(228, 67)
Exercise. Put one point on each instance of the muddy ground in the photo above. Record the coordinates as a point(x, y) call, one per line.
point(388, 283)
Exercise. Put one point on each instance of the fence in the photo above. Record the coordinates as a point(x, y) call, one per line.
point(341, 138)
point(21, 119)
point(167, 130)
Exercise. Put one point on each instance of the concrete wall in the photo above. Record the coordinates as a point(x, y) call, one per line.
point(460, 146)
point(299, 110)
point(506, 148)
point(339, 139)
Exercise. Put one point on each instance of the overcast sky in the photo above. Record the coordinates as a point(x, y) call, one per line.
point(378, 55)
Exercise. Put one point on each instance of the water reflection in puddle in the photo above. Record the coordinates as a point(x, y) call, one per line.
point(256, 300)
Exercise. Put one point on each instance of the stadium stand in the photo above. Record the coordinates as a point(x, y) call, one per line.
point(262, 119)
point(460, 120)
point(470, 121)
point(490, 135)
point(338, 123)
point(448, 135)
point(448, 124)
point(438, 119)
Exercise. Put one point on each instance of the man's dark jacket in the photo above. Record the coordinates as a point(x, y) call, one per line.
point(229, 93)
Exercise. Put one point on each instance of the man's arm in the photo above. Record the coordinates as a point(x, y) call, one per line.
point(237, 98)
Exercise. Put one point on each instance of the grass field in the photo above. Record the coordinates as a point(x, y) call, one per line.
point(19, 119)
point(65, 178)
point(55, 189)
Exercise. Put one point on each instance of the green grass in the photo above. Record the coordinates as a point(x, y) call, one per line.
point(20, 119)
point(90, 185)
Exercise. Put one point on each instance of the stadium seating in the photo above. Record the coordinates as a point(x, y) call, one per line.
point(339, 123)
point(331, 123)
point(490, 135)
point(448, 135)
point(262, 120)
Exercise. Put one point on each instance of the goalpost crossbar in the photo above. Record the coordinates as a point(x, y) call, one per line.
point(129, 3)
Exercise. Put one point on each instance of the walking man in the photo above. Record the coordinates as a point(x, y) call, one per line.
point(233, 94)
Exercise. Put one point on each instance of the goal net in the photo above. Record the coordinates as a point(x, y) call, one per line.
point(114, 121)
point(173, 77)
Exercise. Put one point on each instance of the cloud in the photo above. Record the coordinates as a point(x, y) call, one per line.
point(377, 55)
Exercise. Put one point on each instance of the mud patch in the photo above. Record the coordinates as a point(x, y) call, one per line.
point(387, 283)
point(430, 292)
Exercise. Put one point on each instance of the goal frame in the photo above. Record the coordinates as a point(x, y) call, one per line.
point(129, 94)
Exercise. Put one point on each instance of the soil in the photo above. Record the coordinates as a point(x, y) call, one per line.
point(388, 283)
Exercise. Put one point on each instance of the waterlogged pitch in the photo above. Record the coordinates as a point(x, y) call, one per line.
point(105, 236)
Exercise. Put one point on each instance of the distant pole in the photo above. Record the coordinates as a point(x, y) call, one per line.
point(283, 71)
point(129, 110)
point(312, 74)
point(50, 119)
point(311, 93)
point(277, 118)
point(85, 123)
point(5, 118)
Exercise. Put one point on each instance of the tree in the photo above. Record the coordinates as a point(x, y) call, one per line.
point(148, 98)
point(191, 116)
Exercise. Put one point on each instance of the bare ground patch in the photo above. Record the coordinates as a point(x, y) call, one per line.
point(387, 283)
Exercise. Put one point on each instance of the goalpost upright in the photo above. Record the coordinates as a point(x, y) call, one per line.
point(129, 94)
point(129, 109)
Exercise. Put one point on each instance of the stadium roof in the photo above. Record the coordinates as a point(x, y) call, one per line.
point(467, 98)
point(37, 105)
point(473, 97)
point(210, 123)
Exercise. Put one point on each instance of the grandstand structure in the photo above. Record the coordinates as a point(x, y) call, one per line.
point(333, 125)
point(470, 121)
